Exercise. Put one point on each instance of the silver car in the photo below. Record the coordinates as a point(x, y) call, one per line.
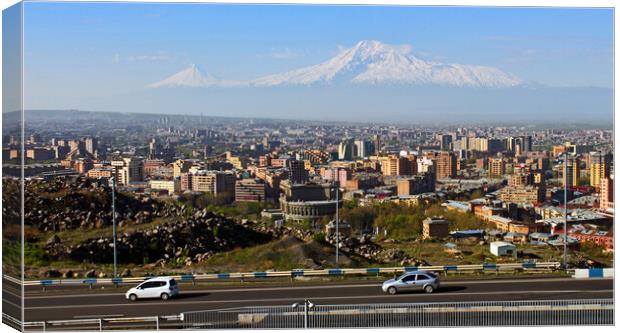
point(421, 280)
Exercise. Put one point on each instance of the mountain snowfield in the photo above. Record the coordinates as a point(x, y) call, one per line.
point(189, 77)
point(372, 62)
point(368, 63)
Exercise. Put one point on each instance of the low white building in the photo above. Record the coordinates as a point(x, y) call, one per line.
point(172, 186)
point(503, 249)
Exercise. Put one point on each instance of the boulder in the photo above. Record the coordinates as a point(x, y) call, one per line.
point(53, 240)
point(53, 273)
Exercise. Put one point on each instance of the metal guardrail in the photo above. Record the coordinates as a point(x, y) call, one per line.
point(11, 321)
point(487, 267)
point(595, 312)
point(499, 313)
point(101, 324)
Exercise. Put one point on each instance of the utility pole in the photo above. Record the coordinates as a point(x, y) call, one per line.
point(307, 307)
point(566, 208)
point(306, 314)
point(113, 179)
point(334, 175)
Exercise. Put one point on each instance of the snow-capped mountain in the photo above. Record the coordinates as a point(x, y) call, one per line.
point(189, 77)
point(372, 62)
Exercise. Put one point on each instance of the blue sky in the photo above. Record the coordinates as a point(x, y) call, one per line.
point(101, 50)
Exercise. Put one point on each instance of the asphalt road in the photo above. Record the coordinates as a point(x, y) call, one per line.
point(81, 303)
point(11, 299)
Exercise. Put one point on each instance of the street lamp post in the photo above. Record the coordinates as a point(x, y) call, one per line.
point(307, 307)
point(565, 209)
point(113, 180)
point(337, 231)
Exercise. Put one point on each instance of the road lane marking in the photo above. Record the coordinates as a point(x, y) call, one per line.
point(95, 316)
point(293, 299)
point(12, 303)
point(446, 283)
point(11, 292)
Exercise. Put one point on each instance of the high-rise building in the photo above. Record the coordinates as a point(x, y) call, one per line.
point(395, 165)
point(128, 170)
point(521, 176)
point(415, 185)
point(497, 167)
point(542, 163)
point(345, 149)
point(363, 148)
point(522, 194)
point(238, 162)
point(297, 172)
point(90, 144)
point(477, 144)
point(250, 190)
point(154, 148)
point(412, 165)
point(340, 175)
point(599, 168)
point(181, 166)
point(446, 165)
point(264, 161)
point(495, 145)
point(570, 172)
point(214, 182)
point(83, 165)
point(133, 169)
point(607, 193)
point(378, 144)
point(315, 156)
point(519, 144)
point(446, 141)
point(527, 143)
point(425, 164)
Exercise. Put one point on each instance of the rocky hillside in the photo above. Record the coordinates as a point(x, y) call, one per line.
point(64, 205)
point(70, 227)
point(193, 240)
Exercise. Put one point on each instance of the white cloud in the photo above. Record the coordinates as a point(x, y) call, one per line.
point(285, 53)
point(280, 54)
point(160, 56)
point(117, 58)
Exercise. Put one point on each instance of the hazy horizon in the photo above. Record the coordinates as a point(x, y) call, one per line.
point(370, 63)
point(524, 123)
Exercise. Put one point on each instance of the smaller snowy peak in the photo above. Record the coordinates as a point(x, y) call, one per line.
point(192, 76)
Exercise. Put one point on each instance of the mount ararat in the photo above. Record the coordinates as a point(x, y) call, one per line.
point(369, 62)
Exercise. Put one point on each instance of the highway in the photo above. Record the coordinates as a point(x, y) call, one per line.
point(80, 303)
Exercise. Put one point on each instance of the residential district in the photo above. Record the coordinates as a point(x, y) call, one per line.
point(512, 178)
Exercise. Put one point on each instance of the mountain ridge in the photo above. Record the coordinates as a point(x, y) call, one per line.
point(369, 62)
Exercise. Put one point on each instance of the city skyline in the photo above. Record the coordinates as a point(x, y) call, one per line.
point(523, 124)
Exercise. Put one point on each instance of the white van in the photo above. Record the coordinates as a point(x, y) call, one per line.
point(158, 287)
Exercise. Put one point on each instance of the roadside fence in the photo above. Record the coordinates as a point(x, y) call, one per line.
point(297, 273)
point(588, 312)
point(462, 314)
